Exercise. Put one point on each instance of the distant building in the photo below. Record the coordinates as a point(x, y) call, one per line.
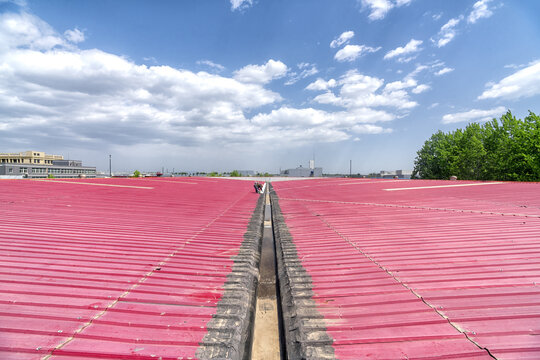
point(37, 164)
point(400, 174)
point(300, 171)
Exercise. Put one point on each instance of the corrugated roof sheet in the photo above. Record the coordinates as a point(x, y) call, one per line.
point(434, 272)
point(118, 268)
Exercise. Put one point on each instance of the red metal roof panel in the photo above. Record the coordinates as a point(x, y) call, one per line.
point(118, 268)
point(466, 256)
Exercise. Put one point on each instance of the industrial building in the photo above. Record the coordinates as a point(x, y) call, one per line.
point(37, 164)
point(300, 171)
point(399, 174)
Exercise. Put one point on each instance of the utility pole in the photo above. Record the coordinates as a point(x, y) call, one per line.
point(110, 166)
point(350, 168)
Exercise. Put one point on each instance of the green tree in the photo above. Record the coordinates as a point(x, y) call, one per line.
point(502, 149)
point(136, 173)
point(435, 159)
point(469, 158)
point(235, 173)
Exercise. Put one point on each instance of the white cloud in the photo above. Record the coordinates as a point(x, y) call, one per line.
point(293, 117)
point(321, 84)
point(322, 124)
point(20, 3)
point(521, 84)
point(480, 10)
point(515, 66)
point(240, 4)
point(448, 32)
point(342, 39)
point(399, 85)
point(28, 31)
point(306, 70)
point(328, 98)
point(352, 52)
point(90, 96)
point(51, 92)
point(261, 74)
point(421, 88)
point(362, 91)
point(407, 59)
point(474, 115)
point(369, 129)
point(443, 71)
point(400, 52)
point(211, 65)
point(74, 36)
point(379, 8)
point(416, 71)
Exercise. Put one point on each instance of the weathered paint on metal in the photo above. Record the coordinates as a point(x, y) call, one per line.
point(435, 273)
point(133, 270)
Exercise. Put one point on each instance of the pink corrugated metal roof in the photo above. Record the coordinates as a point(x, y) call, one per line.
point(431, 272)
point(118, 268)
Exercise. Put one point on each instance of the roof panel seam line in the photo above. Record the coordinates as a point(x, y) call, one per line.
point(143, 279)
point(397, 280)
point(413, 207)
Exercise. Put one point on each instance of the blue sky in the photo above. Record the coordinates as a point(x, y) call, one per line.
point(261, 84)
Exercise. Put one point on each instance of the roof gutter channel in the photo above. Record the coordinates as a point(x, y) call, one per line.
point(230, 330)
point(304, 328)
point(268, 339)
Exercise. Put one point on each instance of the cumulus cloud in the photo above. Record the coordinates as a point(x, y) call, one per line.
point(342, 39)
point(352, 52)
point(474, 115)
point(52, 92)
point(480, 10)
point(90, 96)
point(240, 4)
point(521, 84)
point(402, 52)
point(74, 36)
point(447, 33)
point(261, 74)
point(321, 84)
point(379, 8)
point(26, 30)
point(359, 91)
point(321, 124)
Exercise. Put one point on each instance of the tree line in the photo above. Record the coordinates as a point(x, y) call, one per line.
point(505, 149)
